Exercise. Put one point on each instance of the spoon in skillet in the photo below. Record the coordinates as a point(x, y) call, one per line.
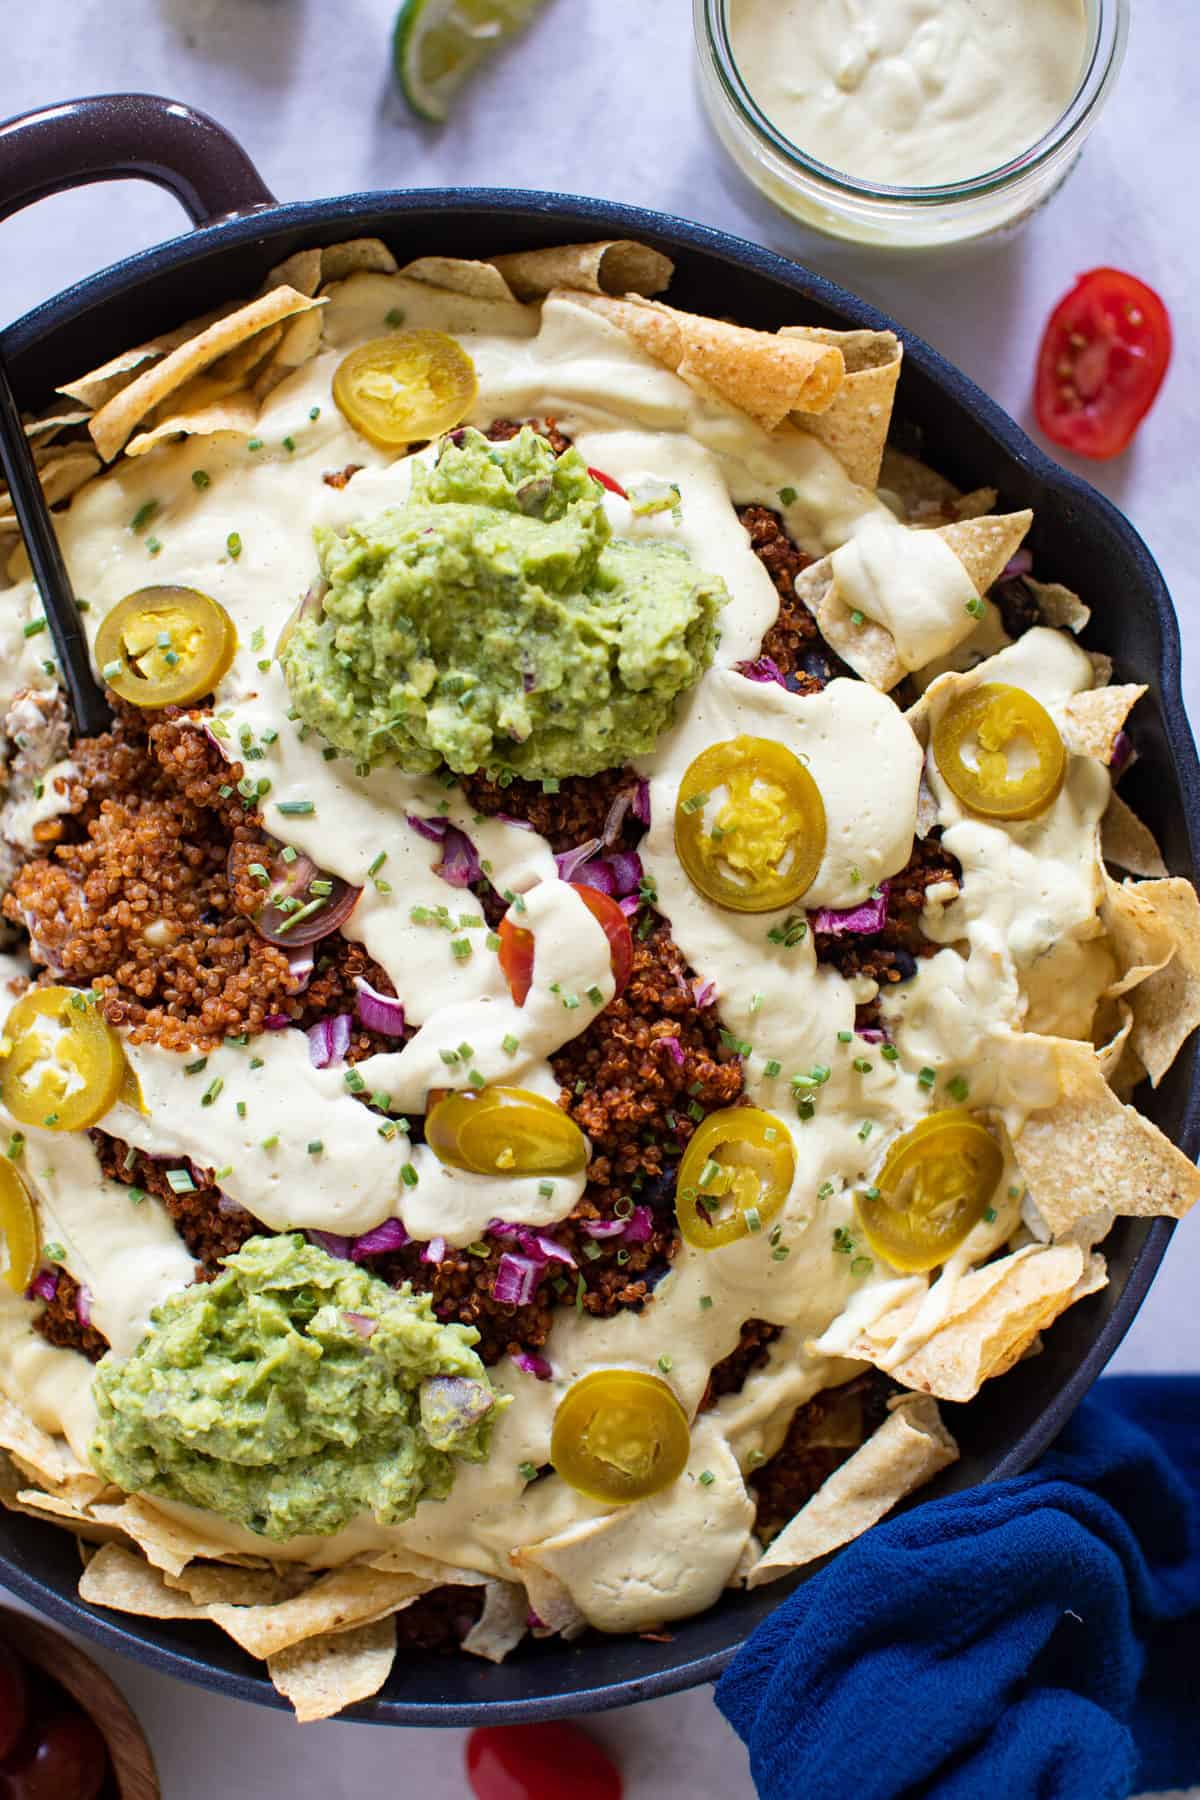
point(90, 708)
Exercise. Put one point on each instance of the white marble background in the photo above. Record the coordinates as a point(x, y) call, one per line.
point(600, 99)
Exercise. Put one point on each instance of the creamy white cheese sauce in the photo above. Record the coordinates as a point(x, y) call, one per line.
point(291, 1144)
point(910, 93)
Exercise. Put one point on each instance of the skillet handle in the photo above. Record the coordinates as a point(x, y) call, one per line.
point(113, 137)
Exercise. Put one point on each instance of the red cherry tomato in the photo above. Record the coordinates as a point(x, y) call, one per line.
point(1102, 361)
point(614, 487)
point(65, 1759)
point(539, 1762)
point(516, 944)
point(14, 1700)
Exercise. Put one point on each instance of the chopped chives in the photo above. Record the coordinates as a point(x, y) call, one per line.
point(772, 1066)
point(510, 1044)
point(295, 808)
point(861, 1265)
point(989, 1215)
point(862, 1064)
point(957, 1089)
point(705, 1302)
point(241, 1109)
point(890, 1053)
point(526, 1471)
point(201, 478)
point(269, 1143)
point(408, 1175)
point(845, 1037)
point(233, 543)
point(378, 863)
point(927, 1077)
point(354, 1081)
point(212, 1091)
point(36, 625)
point(194, 1068)
point(143, 515)
point(315, 1147)
point(665, 1364)
point(180, 1181)
point(546, 1190)
point(706, 1478)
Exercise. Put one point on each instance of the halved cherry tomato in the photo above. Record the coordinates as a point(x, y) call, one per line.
point(411, 385)
point(505, 1131)
point(516, 944)
point(539, 1762)
point(619, 1435)
point(62, 1064)
point(301, 903)
point(740, 1157)
point(165, 646)
point(934, 1186)
point(614, 487)
point(979, 738)
point(19, 1241)
point(749, 825)
point(1103, 359)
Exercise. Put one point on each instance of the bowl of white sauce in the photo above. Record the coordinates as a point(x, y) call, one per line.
point(908, 123)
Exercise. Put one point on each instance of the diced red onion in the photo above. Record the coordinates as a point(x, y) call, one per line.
point(521, 824)
point(705, 992)
point(571, 860)
point(1020, 564)
point(763, 668)
point(300, 968)
point(532, 1620)
point(529, 1364)
point(639, 1227)
point(378, 1012)
point(460, 864)
point(517, 1279)
point(44, 1286)
point(604, 1228)
point(1122, 750)
point(550, 1248)
point(617, 874)
point(332, 1242)
point(276, 1022)
point(630, 905)
point(641, 801)
point(364, 1326)
point(596, 873)
point(391, 1235)
point(433, 829)
point(871, 1034)
point(329, 1040)
point(434, 1251)
point(869, 916)
point(615, 817)
point(674, 1049)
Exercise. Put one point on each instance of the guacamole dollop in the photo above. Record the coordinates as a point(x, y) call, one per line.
point(293, 1393)
point(493, 621)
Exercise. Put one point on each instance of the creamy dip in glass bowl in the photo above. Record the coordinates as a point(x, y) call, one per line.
point(907, 123)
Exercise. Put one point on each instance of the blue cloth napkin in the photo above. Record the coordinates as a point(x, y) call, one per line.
point(1035, 1639)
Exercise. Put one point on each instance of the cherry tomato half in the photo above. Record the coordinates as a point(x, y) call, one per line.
point(934, 1186)
point(749, 825)
point(19, 1241)
point(516, 944)
point(1103, 358)
point(397, 390)
point(619, 1435)
point(539, 1762)
point(1018, 759)
point(505, 1131)
point(742, 1159)
point(61, 1063)
point(165, 646)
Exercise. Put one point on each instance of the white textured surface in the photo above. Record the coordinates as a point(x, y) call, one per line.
point(600, 99)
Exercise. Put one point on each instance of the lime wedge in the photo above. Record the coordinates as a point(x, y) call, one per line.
point(438, 44)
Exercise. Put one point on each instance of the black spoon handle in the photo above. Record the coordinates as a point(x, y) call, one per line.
point(91, 709)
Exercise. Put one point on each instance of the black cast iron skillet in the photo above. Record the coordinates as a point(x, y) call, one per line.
point(1078, 538)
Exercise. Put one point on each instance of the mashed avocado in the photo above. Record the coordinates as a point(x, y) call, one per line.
point(493, 621)
point(293, 1393)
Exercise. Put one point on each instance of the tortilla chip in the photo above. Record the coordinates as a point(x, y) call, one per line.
point(324, 1674)
point(299, 344)
point(64, 470)
point(549, 1598)
point(1058, 606)
point(616, 266)
point(1142, 942)
point(1092, 720)
point(47, 1460)
point(477, 280)
point(113, 424)
point(983, 546)
point(1127, 843)
point(855, 427)
point(300, 271)
point(917, 488)
point(44, 429)
point(345, 1597)
point(1091, 1150)
point(371, 254)
point(120, 1579)
point(904, 1453)
point(212, 1583)
point(168, 1543)
point(1166, 1005)
point(502, 1623)
point(429, 1568)
point(237, 413)
point(762, 373)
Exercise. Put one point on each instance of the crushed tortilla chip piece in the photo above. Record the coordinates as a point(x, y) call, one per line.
point(120, 1579)
point(901, 1455)
point(1141, 940)
point(1058, 606)
point(855, 427)
point(345, 1597)
point(323, 1675)
point(112, 426)
point(211, 1584)
point(549, 1598)
point(1092, 720)
point(502, 1623)
point(356, 254)
point(476, 280)
point(1091, 1150)
point(301, 271)
point(615, 266)
point(168, 1543)
point(1127, 843)
point(760, 372)
point(1166, 1005)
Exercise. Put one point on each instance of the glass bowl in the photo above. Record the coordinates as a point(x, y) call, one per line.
point(903, 217)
